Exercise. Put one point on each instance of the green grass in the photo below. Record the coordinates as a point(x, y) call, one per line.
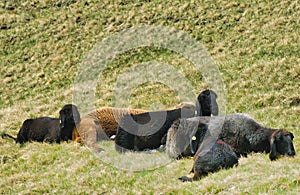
point(42, 44)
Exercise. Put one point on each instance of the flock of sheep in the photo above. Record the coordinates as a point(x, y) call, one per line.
point(214, 141)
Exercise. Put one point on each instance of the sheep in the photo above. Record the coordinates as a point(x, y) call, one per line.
point(206, 104)
point(212, 156)
point(245, 135)
point(48, 129)
point(100, 124)
point(148, 130)
point(184, 138)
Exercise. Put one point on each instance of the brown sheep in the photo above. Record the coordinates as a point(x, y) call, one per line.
point(100, 124)
point(49, 129)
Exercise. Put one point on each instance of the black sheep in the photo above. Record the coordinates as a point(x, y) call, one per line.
point(148, 130)
point(245, 135)
point(212, 156)
point(47, 129)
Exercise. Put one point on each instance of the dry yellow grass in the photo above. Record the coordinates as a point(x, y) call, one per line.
point(256, 46)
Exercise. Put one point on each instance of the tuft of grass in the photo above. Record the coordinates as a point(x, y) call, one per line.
point(256, 46)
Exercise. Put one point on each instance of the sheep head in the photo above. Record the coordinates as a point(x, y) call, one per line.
point(69, 117)
point(69, 114)
point(206, 104)
point(281, 142)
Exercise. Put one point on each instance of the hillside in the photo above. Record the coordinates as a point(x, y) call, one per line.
point(43, 44)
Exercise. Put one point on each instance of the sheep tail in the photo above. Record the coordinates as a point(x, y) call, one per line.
point(7, 135)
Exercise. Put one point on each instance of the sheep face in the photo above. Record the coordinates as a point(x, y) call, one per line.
point(68, 117)
point(195, 141)
point(69, 113)
point(282, 143)
point(206, 104)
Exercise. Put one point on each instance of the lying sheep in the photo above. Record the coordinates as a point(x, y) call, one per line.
point(47, 129)
point(100, 124)
point(148, 130)
point(206, 104)
point(245, 135)
point(211, 157)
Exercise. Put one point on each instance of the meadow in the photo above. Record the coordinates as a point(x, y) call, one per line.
point(255, 45)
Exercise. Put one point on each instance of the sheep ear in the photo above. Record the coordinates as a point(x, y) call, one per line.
point(198, 108)
point(76, 116)
point(273, 150)
point(211, 91)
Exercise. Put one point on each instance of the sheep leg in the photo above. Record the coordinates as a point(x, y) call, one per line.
point(195, 178)
point(75, 136)
point(90, 134)
point(49, 139)
point(185, 178)
point(9, 136)
point(124, 141)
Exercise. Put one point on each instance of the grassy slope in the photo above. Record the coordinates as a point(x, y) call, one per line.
point(42, 44)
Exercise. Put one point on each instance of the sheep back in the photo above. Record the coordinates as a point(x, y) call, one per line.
point(109, 118)
point(245, 135)
point(147, 130)
point(22, 135)
point(40, 129)
point(209, 159)
point(100, 124)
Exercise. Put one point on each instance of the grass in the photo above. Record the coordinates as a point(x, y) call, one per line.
point(42, 44)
